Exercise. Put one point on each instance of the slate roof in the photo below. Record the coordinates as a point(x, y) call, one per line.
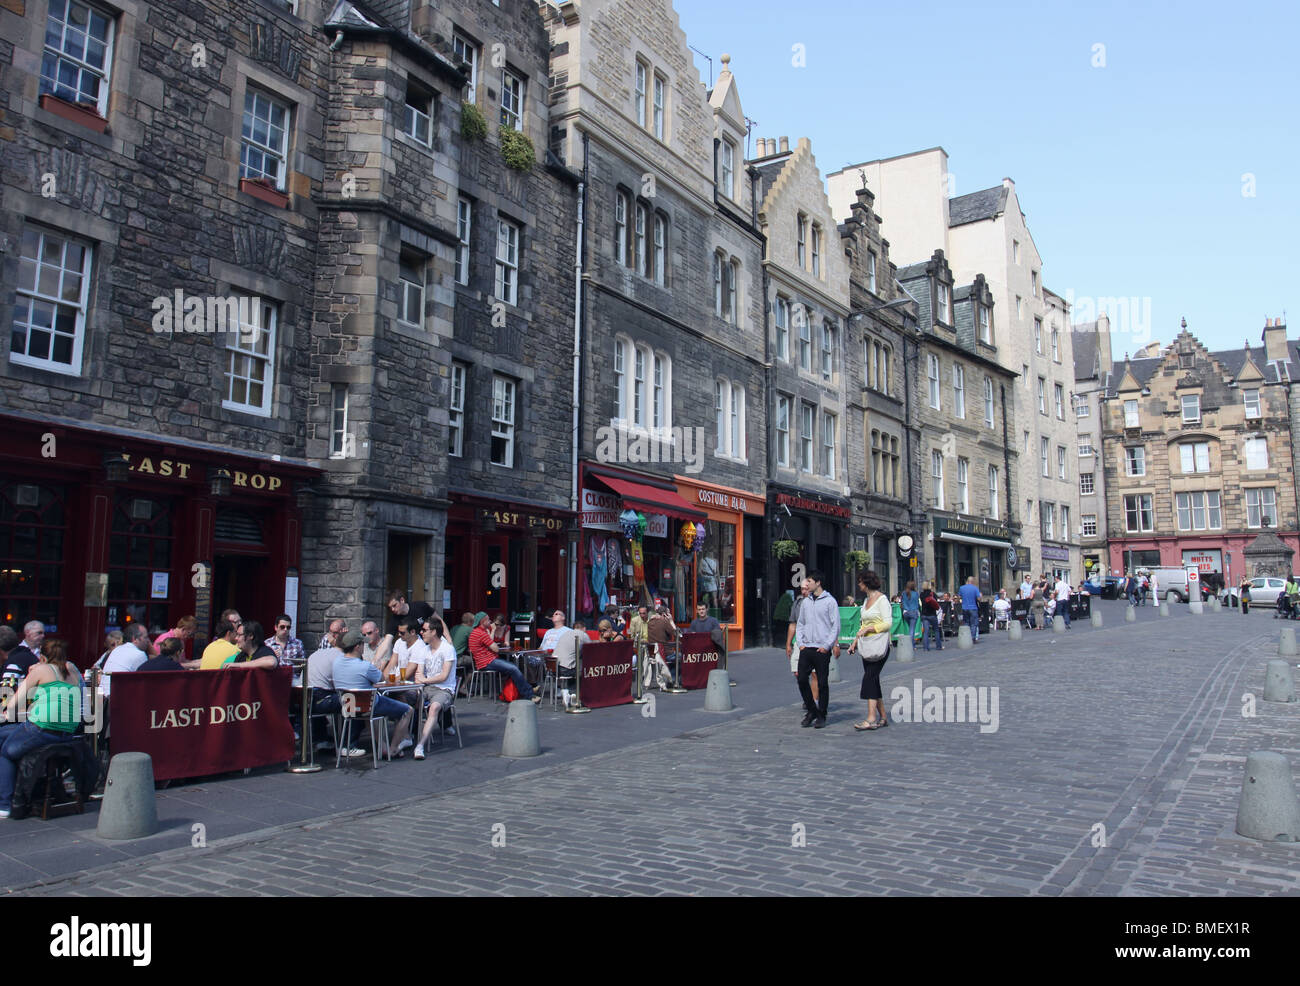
point(1085, 350)
point(345, 14)
point(972, 208)
point(912, 271)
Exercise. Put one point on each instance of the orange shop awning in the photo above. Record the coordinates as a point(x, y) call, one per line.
point(652, 499)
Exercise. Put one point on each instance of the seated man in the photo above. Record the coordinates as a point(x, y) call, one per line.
point(126, 657)
point(660, 632)
point(566, 653)
point(557, 630)
point(409, 649)
point(484, 651)
point(253, 653)
point(704, 623)
point(437, 673)
point(223, 648)
point(353, 672)
point(287, 647)
point(379, 648)
point(1001, 611)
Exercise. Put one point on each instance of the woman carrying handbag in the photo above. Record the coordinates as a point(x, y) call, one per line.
point(873, 647)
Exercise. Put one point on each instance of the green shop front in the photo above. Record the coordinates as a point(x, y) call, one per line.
point(962, 548)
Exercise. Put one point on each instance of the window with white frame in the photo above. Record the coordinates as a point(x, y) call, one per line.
point(1135, 461)
point(736, 404)
point(816, 250)
point(1038, 336)
point(512, 100)
point(959, 390)
point(250, 359)
point(1086, 484)
point(727, 168)
point(1085, 445)
point(456, 411)
point(1060, 462)
point(801, 242)
point(1047, 518)
point(659, 393)
point(1198, 511)
point(1042, 395)
point(1033, 282)
point(1015, 251)
point(1065, 522)
point(464, 221)
point(1131, 414)
point(661, 249)
point(828, 350)
point(1191, 408)
point(1081, 406)
point(1056, 344)
point(640, 362)
point(503, 421)
point(410, 302)
point(871, 271)
point(418, 113)
point(829, 424)
point(264, 146)
point(639, 100)
point(963, 486)
point(945, 303)
point(1020, 307)
point(1253, 406)
point(640, 255)
point(721, 430)
point(1261, 507)
point(932, 362)
point(806, 412)
point(733, 287)
point(781, 319)
point(1256, 453)
point(51, 302)
point(622, 205)
point(660, 104)
point(805, 338)
point(1058, 392)
point(986, 324)
point(1089, 522)
point(507, 266)
point(78, 53)
point(993, 492)
point(1044, 451)
point(988, 402)
point(620, 380)
point(339, 445)
point(782, 430)
point(467, 51)
point(1195, 456)
point(936, 478)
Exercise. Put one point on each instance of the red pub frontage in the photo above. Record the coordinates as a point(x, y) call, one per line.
point(103, 528)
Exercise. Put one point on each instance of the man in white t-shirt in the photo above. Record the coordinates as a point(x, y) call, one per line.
point(408, 648)
point(558, 630)
point(127, 656)
point(1026, 590)
point(1001, 610)
point(1062, 593)
point(437, 673)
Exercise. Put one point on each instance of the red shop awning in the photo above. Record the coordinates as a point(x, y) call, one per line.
point(652, 499)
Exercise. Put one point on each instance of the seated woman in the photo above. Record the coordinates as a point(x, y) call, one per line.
point(51, 696)
point(501, 631)
point(607, 631)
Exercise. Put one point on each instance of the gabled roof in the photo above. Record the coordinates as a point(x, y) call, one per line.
point(1234, 361)
point(984, 204)
point(346, 14)
point(913, 271)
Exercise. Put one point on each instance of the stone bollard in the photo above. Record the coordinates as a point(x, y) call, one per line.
point(1268, 809)
point(1196, 607)
point(963, 638)
point(1286, 643)
point(1215, 605)
point(521, 739)
point(128, 810)
point(717, 694)
point(906, 651)
point(833, 673)
point(1130, 614)
point(1164, 608)
point(1016, 631)
point(1095, 617)
point(1058, 623)
point(1279, 681)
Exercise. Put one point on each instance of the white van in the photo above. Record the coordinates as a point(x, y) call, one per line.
point(1172, 583)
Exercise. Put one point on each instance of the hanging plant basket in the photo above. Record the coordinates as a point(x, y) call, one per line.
point(516, 149)
point(472, 124)
point(785, 549)
point(856, 559)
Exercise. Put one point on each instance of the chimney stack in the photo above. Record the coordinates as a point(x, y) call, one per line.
point(785, 145)
point(1275, 346)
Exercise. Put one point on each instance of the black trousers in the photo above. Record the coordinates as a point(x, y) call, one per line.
point(810, 659)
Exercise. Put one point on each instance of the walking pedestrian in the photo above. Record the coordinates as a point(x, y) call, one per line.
point(970, 607)
point(792, 638)
point(930, 612)
point(911, 603)
point(873, 647)
point(1245, 595)
point(818, 631)
point(1063, 600)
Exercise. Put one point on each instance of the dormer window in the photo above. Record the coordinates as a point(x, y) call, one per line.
point(944, 307)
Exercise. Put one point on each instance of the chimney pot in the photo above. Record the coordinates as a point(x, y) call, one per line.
point(762, 147)
point(785, 144)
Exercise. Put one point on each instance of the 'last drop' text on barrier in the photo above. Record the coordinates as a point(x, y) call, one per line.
point(194, 723)
point(699, 656)
point(606, 674)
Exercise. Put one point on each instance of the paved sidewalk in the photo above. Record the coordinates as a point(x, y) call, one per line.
point(1134, 727)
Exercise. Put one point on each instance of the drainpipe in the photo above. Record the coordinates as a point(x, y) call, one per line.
point(579, 321)
point(769, 393)
point(1006, 457)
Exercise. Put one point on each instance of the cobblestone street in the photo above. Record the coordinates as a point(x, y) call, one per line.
point(1134, 728)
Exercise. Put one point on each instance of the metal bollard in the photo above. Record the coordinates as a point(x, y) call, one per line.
point(1268, 809)
point(1279, 681)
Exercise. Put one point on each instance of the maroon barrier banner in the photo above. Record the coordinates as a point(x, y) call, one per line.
point(699, 656)
point(607, 674)
point(194, 723)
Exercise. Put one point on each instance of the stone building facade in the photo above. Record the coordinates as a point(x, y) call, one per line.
point(671, 319)
point(965, 417)
point(1198, 453)
point(1092, 382)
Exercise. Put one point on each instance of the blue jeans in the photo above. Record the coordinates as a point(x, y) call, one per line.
point(16, 741)
point(508, 669)
point(1063, 608)
point(972, 618)
point(931, 629)
point(910, 616)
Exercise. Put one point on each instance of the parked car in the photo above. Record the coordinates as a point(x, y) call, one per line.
point(1172, 584)
point(1108, 588)
point(1263, 591)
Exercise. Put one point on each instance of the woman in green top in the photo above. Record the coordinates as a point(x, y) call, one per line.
point(50, 696)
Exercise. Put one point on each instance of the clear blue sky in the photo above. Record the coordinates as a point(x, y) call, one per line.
point(1130, 175)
